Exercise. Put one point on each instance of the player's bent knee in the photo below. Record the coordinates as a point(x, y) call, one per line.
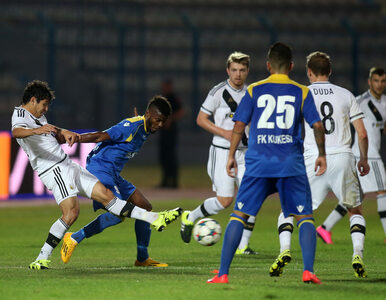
point(101, 194)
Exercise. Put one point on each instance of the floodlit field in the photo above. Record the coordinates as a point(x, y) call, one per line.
point(102, 267)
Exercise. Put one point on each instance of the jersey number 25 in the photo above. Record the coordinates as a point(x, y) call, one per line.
point(285, 111)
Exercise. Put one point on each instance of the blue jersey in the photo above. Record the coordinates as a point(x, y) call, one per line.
point(275, 108)
point(126, 138)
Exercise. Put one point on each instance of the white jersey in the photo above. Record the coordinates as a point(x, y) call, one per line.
point(222, 102)
point(337, 107)
point(43, 150)
point(375, 119)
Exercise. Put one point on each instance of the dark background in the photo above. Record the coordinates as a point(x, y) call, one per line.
point(103, 58)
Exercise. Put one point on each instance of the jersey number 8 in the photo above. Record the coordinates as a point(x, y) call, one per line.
point(327, 117)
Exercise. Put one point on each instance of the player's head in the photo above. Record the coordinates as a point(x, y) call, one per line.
point(377, 81)
point(37, 96)
point(318, 64)
point(237, 69)
point(157, 112)
point(279, 59)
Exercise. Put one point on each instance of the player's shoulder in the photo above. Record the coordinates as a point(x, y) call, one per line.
point(20, 115)
point(19, 112)
point(364, 97)
point(129, 124)
point(218, 88)
point(138, 120)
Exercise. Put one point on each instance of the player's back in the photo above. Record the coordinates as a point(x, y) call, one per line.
point(275, 107)
point(337, 108)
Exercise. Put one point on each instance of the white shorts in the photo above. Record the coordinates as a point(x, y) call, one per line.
point(68, 179)
point(222, 184)
point(375, 181)
point(340, 178)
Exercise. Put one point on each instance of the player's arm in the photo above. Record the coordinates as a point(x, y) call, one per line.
point(94, 137)
point(21, 132)
point(204, 122)
point(320, 163)
point(363, 143)
point(237, 134)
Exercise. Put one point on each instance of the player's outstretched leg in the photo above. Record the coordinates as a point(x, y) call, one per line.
point(281, 261)
point(324, 231)
point(186, 227)
point(68, 247)
point(166, 217)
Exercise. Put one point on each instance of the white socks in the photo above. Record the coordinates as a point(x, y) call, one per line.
point(115, 206)
point(56, 233)
point(334, 217)
point(358, 231)
point(247, 232)
point(211, 206)
point(285, 228)
point(144, 215)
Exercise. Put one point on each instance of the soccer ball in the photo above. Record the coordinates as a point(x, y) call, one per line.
point(207, 232)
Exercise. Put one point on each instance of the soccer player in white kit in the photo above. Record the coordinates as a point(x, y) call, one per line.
point(66, 179)
point(373, 105)
point(221, 103)
point(337, 109)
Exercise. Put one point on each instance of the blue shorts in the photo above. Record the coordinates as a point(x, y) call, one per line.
point(294, 192)
point(120, 187)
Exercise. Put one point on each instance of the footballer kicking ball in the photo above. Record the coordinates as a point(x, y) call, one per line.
point(207, 232)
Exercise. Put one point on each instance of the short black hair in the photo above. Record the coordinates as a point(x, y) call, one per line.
point(280, 56)
point(162, 104)
point(38, 89)
point(319, 63)
point(377, 71)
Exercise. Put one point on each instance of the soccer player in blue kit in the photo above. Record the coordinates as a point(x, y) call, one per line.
point(275, 108)
point(115, 147)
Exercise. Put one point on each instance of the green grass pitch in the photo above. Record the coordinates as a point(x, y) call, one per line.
point(102, 267)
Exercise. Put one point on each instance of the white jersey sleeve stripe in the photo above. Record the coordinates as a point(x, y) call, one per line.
point(206, 110)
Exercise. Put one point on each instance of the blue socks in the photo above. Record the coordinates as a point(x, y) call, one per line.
point(232, 239)
point(307, 240)
point(97, 226)
point(142, 232)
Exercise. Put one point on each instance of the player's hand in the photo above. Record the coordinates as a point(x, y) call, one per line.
point(135, 112)
point(47, 128)
point(231, 167)
point(363, 167)
point(320, 165)
point(70, 137)
point(227, 134)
